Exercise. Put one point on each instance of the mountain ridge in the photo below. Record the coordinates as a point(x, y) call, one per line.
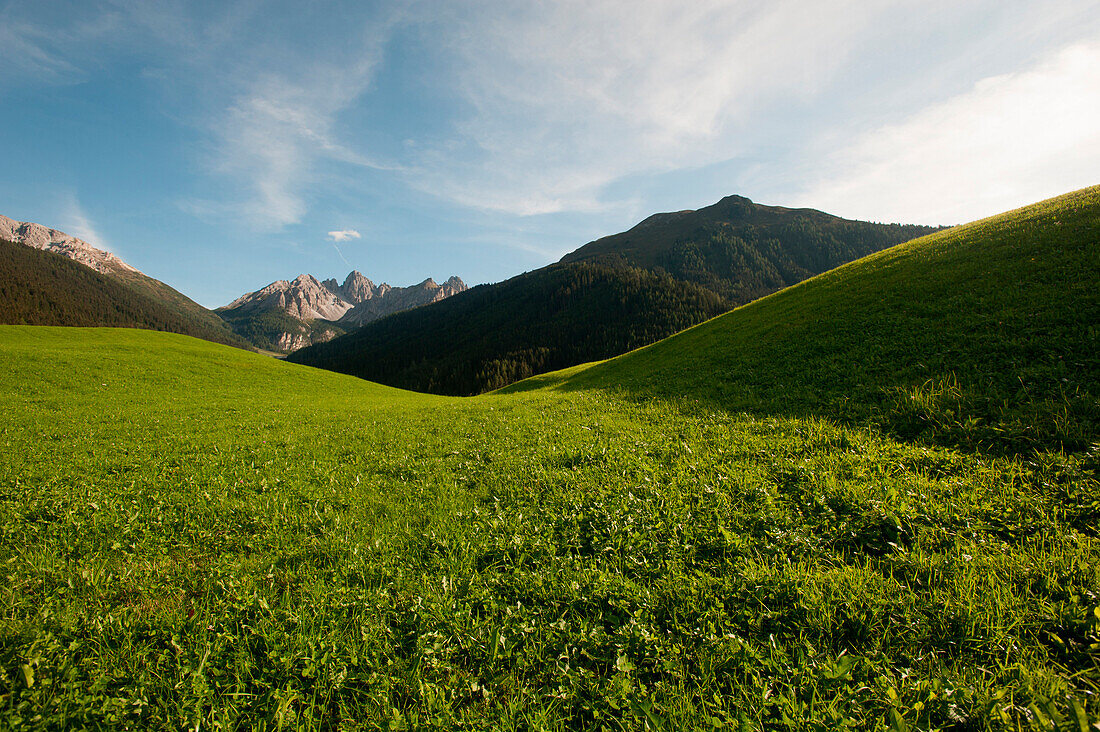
point(51, 240)
point(139, 300)
point(286, 315)
point(744, 250)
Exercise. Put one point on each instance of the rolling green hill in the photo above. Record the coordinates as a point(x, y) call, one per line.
point(42, 288)
point(494, 335)
point(979, 334)
point(618, 293)
point(713, 532)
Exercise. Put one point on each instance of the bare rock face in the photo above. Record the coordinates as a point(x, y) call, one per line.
point(291, 341)
point(355, 302)
point(303, 298)
point(58, 242)
point(396, 299)
point(357, 288)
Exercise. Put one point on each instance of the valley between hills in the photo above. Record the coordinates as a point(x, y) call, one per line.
point(860, 491)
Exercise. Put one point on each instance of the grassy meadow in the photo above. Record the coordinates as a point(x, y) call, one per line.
point(770, 521)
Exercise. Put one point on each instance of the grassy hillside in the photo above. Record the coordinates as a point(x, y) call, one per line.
point(743, 250)
point(42, 288)
point(984, 335)
point(177, 302)
point(194, 536)
point(494, 335)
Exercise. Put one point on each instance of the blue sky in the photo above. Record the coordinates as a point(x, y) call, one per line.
point(219, 146)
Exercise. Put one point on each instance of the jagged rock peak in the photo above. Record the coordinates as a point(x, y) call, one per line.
point(304, 298)
point(306, 280)
point(353, 303)
point(453, 286)
point(58, 242)
point(388, 300)
point(357, 288)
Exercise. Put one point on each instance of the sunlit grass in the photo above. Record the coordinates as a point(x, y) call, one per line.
point(194, 535)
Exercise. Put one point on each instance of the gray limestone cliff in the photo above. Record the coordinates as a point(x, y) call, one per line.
point(288, 315)
point(58, 242)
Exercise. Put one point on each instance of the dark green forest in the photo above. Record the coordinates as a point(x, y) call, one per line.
point(493, 335)
point(42, 288)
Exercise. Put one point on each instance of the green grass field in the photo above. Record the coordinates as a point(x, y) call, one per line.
point(732, 529)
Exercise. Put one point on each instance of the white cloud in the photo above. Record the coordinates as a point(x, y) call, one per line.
point(271, 137)
point(77, 223)
point(566, 97)
point(23, 56)
point(344, 235)
point(270, 100)
point(1011, 140)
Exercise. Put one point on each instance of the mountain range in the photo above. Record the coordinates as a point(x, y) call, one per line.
point(612, 295)
point(53, 278)
point(288, 315)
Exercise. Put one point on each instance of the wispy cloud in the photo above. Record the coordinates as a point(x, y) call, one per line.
point(23, 54)
point(563, 99)
point(1010, 140)
point(271, 136)
point(268, 102)
point(57, 54)
point(557, 106)
point(344, 235)
point(75, 221)
point(566, 97)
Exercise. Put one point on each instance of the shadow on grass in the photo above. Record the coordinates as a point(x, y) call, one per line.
point(982, 338)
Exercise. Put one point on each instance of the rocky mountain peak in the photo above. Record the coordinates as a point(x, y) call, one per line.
point(58, 242)
point(357, 288)
point(306, 280)
point(388, 300)
point(453, 286)
point(304, 298)
point(353, 303)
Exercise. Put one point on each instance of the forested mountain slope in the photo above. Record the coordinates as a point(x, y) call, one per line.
point(42, 288)
point(743, 250)
point(493, 335)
